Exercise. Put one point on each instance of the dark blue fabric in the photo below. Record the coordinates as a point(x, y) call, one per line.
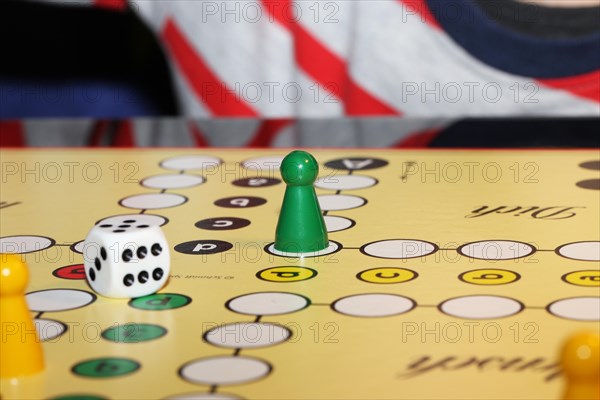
point(511, 51)
point(94, 99)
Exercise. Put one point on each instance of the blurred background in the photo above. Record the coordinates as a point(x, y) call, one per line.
point(300, 73)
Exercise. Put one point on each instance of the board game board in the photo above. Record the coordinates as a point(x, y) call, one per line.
point(450, 274)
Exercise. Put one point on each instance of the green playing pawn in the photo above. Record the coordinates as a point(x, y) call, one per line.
point(301, 228)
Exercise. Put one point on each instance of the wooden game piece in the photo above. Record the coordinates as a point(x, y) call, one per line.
point(301, 228)
point(580, 361)
point(21, 352)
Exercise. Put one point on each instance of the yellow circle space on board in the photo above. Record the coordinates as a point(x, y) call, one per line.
point(590, 278)
point(488, 277)
point(387, 275)
point(286, 274)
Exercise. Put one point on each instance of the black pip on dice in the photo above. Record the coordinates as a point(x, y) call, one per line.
point(125, 259)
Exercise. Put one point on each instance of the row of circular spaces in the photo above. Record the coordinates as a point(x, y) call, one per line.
point(328, 202)
point(156, 201)
point(213, 371)
point(388, 304)
point(339, 183)
point(590, 184)
point(48, 329)
point(184, 180)
point(57, 300)
point(236, 369)
point(373, 305)
point(126, 366)
point(395, 275)
point(490, 250)
point(163, 182)
point(390, 249)
point(367, 305)
point(153, 201)
point(332, 223)
point(336, 182)
point(480, 307)
point(345, 164)
point(267, 166)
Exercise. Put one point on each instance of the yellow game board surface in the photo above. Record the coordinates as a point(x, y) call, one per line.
point(450, 274)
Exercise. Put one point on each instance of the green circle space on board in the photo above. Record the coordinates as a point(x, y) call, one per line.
point(160, 301)
point(133, 333)
point(78, 397)
point(106, 367)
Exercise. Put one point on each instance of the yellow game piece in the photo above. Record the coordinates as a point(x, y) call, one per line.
point(580, 360)
point(21, 352)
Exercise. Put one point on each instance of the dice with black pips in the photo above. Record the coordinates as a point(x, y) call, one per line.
point(126, 259)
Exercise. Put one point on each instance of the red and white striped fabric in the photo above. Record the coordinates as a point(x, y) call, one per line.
point(276, 62)
point(288, 59)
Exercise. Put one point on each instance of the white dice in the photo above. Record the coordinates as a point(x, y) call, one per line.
point(126, 259)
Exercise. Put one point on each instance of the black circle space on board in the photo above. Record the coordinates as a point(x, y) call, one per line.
point(222, 223)
point(256, 182)
point(356, 163)
point(592, 184)
point(78, 396)
point(593, 165)
point(240, 202)
point(197, 247)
